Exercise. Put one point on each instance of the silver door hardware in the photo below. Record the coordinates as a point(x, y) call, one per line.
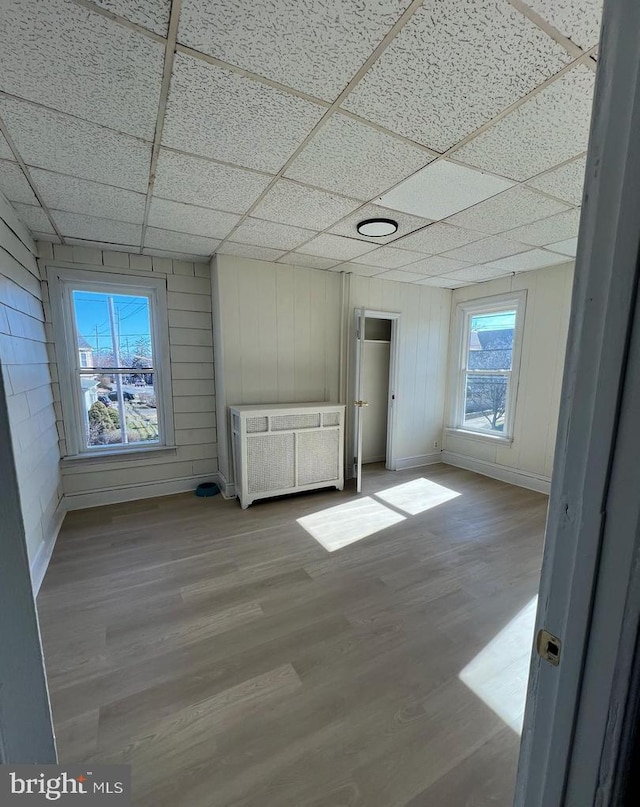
point(361, 403)
point(548, 647)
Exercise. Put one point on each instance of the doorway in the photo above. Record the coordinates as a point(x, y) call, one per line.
point(376, 346)
point(376, 360)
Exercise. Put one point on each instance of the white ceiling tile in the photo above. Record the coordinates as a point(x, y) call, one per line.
point(389, 258)
point(565, 182)
point(438, 265)
point(63, 56)
point(443, 188)
point(543, 232)
point(578, 20)
point(438, 237)
point(151, 14)
point(217, 113)
point(74, 195)
point(476, 274)
point(76, 147)
point(453, 67)
point(406, 223)
point(290, 203)
point(547, 129)
point(309, 261)
point(534, 259)
point(14, 185)
point(34, 217)
point(195, 180)
point(270, 234)
point(442, 282)
point(360, 269)
point(77, 225)
point(568, 247)
point(180, 242)
point(183, 218)
point(508, 210)
point(249, 251)
point(5, 150)
point(336, 246)
point(354, 159)
point(489, 249)
point(314, 47)
point(398, 274)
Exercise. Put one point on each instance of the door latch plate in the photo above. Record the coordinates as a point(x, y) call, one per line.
point(548, 647)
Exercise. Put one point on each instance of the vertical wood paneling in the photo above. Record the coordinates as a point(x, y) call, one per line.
point(281, 333)
point(285, 351)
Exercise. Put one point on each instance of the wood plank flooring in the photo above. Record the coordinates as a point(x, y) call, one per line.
point(232, 660)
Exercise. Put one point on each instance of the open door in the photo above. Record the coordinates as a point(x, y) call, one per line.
point(358, 403)
point(581, 713)
point(365, 321)
point(26, 730)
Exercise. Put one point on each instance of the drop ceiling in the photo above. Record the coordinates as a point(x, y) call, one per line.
point(267, 129)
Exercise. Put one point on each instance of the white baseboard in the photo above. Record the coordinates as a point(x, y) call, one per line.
point(40, 563)
point(403, 463)
point(130, 493)
point(227, 489)
point(541, 484)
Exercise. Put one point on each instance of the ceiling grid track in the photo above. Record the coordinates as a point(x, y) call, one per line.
point(169, 55)
point(27, 175)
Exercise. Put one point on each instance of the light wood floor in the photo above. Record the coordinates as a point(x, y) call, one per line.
point(232, 660)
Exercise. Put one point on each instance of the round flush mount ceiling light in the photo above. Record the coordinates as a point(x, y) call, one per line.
point(377, 228)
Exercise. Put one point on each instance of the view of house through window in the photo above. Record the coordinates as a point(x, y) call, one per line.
point(487, 370)
point(115, 369)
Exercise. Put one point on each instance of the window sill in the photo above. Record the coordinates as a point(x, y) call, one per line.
point(481, 438)
point(98, 457)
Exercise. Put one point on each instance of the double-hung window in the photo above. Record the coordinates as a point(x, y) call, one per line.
point(489, 338)
point(112, 350)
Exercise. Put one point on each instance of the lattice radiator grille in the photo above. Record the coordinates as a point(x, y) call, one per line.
point(290, 422)
point(318, 456)
point(331, 419)
point(270, 462)
point(260, 424)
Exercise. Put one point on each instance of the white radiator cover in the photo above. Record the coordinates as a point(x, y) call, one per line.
point(285, 448)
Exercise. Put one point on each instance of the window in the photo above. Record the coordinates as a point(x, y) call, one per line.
point(489, 338)
point(112, 378)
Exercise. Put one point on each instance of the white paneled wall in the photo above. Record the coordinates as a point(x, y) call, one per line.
point(528, 460)
point(25, 365)
point(87, 482)
point(277, 336)
point(424, 333)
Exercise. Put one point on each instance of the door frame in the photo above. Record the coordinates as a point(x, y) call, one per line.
point(576, 740)
point(26, 729)
point(360, 313)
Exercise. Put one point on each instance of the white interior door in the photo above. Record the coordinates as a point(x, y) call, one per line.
point(375, 390)
point(358, 403)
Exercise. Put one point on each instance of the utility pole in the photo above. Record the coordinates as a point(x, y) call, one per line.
point(97, 343)
point(116, 355)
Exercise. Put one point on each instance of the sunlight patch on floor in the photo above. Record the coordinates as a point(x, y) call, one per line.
point(499, 673)
point(345, 524)
point(417, 496)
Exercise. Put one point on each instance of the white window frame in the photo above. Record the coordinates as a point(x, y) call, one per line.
point(464, 312)
point(62, 282)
